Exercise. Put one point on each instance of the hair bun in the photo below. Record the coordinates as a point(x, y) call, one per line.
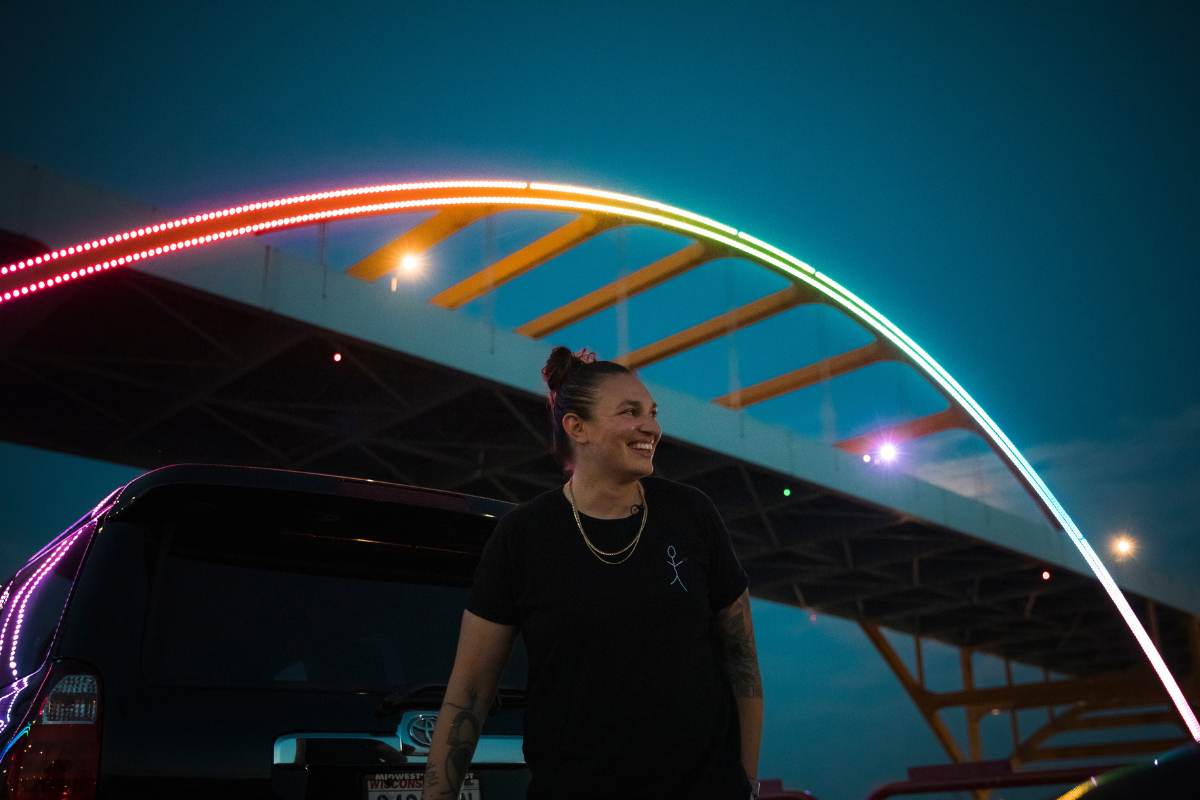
point(561, 363)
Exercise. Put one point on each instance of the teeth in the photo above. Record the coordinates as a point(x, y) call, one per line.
point(644, 446)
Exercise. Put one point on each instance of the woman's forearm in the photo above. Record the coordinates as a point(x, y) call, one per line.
point(483, 650)
point(455, 736)
point(750, 719)
point(734, 631)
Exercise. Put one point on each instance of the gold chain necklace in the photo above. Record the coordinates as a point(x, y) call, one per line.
point(596, 551)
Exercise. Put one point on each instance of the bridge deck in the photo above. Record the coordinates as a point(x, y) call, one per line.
point(137, 369)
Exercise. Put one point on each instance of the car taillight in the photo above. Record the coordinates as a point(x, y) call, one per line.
point(57, 755)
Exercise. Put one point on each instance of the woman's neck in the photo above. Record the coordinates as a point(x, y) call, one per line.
point(601, 498)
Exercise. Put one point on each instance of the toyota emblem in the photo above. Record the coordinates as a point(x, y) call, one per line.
point(420, 729)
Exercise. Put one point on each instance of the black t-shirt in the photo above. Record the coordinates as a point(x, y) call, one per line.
point(626, 696)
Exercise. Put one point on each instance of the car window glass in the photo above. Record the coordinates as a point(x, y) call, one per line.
point(367, 605)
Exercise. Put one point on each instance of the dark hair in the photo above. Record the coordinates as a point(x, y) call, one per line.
point(573, 379)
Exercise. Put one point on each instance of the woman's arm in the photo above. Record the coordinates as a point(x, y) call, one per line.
point(733, 628)
point(483, 651)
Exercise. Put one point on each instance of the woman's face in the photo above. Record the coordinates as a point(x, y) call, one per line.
point(623, 431)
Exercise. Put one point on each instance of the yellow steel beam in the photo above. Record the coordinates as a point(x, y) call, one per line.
point(1086, 694)
point(1072, 720)
point(552, 244)
point(806, 376)
point(1123, 721)
point(1027, 751)
point(950, 418)
point(1114, 689)
point(645, 278)
point(441, 225)
point(974, 713)
point(1144, 747)
point(769, 306)
point(919, 695)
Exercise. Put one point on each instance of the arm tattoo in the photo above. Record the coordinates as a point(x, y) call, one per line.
point(464, 735)
point(736, 650)
point(431, 777)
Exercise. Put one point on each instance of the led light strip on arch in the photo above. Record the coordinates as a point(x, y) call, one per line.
point(89, 258)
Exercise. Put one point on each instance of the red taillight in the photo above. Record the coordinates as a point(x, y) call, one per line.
point(58, 755)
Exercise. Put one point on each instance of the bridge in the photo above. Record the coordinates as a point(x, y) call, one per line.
point(137, 336)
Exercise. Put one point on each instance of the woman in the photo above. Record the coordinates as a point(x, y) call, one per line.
point(643, 674)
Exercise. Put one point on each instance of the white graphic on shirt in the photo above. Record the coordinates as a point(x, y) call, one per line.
point(675, 565)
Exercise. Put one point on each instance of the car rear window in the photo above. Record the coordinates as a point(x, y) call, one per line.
point(289, 591)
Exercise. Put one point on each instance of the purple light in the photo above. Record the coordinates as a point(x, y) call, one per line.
point(22, 598)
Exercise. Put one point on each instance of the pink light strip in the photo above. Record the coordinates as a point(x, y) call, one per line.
point(23, 596)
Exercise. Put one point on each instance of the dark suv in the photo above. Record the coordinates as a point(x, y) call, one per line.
point(246, 633)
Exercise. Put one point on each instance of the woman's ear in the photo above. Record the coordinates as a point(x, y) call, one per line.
point(573, 426)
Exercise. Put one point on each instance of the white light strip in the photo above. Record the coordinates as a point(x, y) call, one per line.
point(778, 252)
point(624, 198)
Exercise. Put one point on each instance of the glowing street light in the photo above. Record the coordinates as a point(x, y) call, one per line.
point(409, 264)
point(1123, 546)
point(888, 452)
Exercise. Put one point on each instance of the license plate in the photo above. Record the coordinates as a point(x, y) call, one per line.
point(407, 786)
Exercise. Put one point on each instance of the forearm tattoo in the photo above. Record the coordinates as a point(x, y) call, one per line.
point(461, 742)
point(734, 632)
point(432, 779)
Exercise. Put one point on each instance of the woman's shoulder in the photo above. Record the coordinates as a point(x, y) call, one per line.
point(532, 513)
point(675, 492)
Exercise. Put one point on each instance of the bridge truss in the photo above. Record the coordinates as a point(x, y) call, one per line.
point(813, 549)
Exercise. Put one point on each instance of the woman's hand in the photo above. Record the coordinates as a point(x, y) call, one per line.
point(733, 628)
point(483, 651)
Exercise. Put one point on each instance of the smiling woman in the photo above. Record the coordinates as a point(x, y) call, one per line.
point(625, 615)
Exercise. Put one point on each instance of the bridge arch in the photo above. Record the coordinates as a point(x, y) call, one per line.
point(460, 203)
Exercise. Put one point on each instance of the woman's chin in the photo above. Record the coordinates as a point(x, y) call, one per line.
point(644, 469)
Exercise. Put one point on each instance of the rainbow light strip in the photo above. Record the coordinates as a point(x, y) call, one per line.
point(79, 261)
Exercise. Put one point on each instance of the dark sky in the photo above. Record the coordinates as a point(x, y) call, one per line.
point(1016, 185)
